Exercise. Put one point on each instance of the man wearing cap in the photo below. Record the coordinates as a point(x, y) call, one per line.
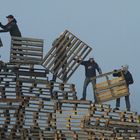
point(90, 71)
point(129, 80)
point(11, 27)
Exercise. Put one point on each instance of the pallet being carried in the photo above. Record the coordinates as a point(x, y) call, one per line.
point(109, 87)
point(60, 59)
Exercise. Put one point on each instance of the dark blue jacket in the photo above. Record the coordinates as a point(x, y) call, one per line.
point(12, 28)
point(90, 68)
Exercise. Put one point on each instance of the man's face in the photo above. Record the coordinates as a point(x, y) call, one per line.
point(125, 69)
point(91, 59)
point(9, 19)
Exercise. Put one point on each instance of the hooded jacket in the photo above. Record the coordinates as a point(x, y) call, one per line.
point(127, 75)
point(12, 28)
point(90, 68)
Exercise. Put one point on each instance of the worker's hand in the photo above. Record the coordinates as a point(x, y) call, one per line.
point(0, 24)
point(115, 70)
point(100, 72)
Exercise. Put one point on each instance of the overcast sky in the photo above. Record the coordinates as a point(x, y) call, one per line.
point(110, 27)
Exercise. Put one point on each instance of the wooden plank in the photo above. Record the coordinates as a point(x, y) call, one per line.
point(31, 61)
point(112, 81)
point(75, 101)
point(26, 48)
point(115, 91)
point(38, 54)
point(35, 44)
point(11, 100)
point(109, 97)
point(111, 86)
point(27, 39)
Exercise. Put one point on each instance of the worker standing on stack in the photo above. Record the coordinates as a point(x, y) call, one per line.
point(11, 27)
point(90, 72)
point(129, 80)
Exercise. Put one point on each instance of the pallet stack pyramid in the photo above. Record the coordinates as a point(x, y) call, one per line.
point(32, 107)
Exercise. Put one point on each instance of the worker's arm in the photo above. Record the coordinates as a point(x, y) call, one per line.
point(82, 63)
point(6, 28)
point(98, 69)
point(2, 26)
point(2, 31)
point(131, 81)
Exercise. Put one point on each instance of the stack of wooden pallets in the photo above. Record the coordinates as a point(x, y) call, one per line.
point(32, 107)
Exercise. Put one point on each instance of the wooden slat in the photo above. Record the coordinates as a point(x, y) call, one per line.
point(26, 48)
point(37, 44)
point(27, 53)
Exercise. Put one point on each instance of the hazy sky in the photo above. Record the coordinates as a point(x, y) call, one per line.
point(110, 27)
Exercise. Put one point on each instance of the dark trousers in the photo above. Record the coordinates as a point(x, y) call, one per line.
point(86, 82)
point(127, 101)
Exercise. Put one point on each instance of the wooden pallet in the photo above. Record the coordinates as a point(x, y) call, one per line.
point(60, 59)
point(26, 50)
point(109, 87)
point(46, 89)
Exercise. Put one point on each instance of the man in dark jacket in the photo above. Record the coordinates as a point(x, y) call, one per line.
point(11, 26)
point(90, 71)
point(129, 80)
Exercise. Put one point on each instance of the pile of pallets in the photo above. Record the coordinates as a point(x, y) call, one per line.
point(33, 107)
point(38, 118)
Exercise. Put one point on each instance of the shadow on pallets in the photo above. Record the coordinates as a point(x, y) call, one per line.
point(34, 108)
